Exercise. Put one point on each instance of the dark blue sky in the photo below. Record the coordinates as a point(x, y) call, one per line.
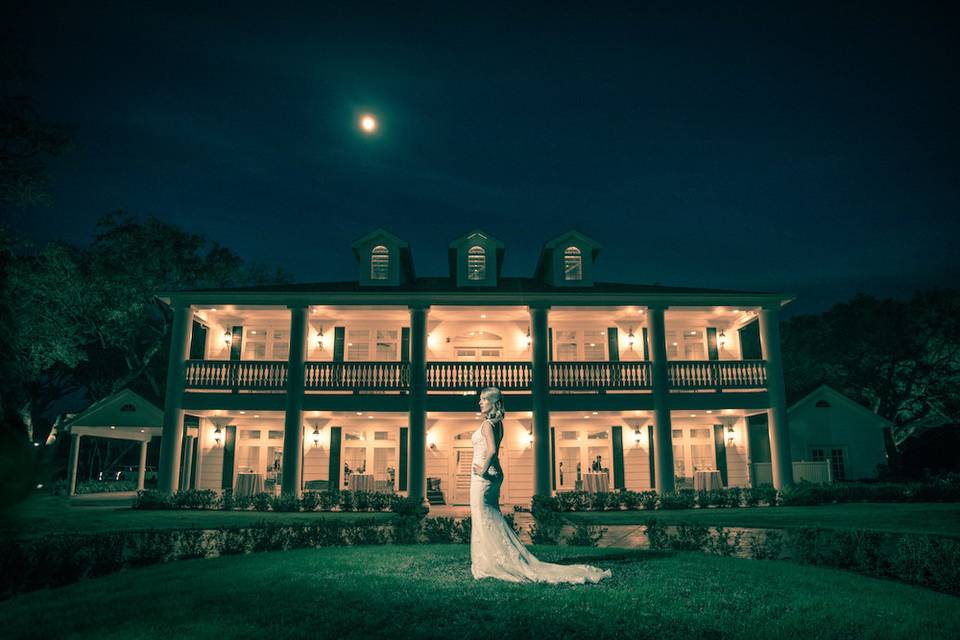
point(809, 149)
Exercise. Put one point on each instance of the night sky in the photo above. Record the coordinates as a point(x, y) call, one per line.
point(805, 149)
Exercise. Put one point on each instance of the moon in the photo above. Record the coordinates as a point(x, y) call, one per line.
point(368, 123)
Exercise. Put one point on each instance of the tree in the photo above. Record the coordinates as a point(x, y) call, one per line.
point(900, 359)
point(89, 318)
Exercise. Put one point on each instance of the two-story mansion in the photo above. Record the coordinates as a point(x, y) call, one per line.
point(325, 385)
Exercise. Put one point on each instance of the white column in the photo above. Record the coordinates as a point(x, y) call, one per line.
point(72, 462)
point(170, 441)
point(143, 465)
point(777, 425)
point(293, 417)
point(663, 429)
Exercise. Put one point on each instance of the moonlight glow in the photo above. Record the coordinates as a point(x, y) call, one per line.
point(368, 123)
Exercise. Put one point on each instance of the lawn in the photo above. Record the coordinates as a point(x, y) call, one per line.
point(930, 518)
point(43, 513)
point(427, 591)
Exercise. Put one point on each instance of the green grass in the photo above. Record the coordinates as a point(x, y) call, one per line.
point(427, 591)
point(42, 514)
point(927, 518)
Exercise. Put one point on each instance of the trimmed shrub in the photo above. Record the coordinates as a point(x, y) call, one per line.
point(683, 499)
point(149, 547)
point(108, 486)
point(195, 499)
point(227, 502)
point(363, 532)
point(347, 502)
point(362, 500)
point(765, 493)
point(153, 499)
point(464, 530)
point(439, 530)
point(329, 499)
point(232, 541)
point(631, 500)
point(690, 537)
point(649, 500)
point(192, 543)
point(261, 501)
point(656, 534)
point(310, 501)
point(285, 502)
point(769, 547)
point(732, 497)
point(722, 544)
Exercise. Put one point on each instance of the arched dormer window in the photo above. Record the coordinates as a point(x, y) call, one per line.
point(379, 263)
point(476, 263)
point(822, 404)
point(572, 264)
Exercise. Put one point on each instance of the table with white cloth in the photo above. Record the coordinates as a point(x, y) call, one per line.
point(596, 482)
point(360, 482)
point(706, 480)
point(248, 484)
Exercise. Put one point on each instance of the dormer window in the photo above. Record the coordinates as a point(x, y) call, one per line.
point(572, 264)
point(476, 263)
point(379, 263)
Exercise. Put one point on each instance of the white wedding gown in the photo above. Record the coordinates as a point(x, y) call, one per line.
point(495, 549)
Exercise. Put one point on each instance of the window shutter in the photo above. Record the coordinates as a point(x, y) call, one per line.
point(646, 345)
point(653, 474)
point(759, 436)
point(550, 344)
point(405, 344)
point(333, 474)
point(236, 343)
point(720, 443)
point(750, 342)
point(402, 471)
point(229, 446)
point(338, 342)
point(712, 351)
point(613, 345)
point(553, 458)
point(198, 341)
point(618, 457)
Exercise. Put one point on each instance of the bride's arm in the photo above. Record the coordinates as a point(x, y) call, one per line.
point(487, 432)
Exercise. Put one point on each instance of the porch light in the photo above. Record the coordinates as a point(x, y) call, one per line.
point(316, 436)
point(320, 339)
point(529, 438)
point(228, 337)
point(528, 336)
point(731, 435)
point(637, 437)
point(431, 439)
point(218, 435)
point(630, 339)
point(721, 340)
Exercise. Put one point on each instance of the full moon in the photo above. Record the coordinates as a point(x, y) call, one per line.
point(368, 123)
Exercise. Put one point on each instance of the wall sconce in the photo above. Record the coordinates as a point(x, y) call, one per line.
point(218, 435)
point(227, 337)
point(316, 436)
point(637, 437)
point(528, 336)
point(721, 340)
point(320, 338)
point(529, 438)
point(731, 435)
point(431, 440)
point(631, 339)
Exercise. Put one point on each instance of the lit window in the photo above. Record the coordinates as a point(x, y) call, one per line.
point(572, 264)
point(380, 263)
point(476, 263)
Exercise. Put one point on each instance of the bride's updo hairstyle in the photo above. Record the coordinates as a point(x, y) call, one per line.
point(496, 399)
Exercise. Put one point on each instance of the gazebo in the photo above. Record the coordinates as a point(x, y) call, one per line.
point(126, 415)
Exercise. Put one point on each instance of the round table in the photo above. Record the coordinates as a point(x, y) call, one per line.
point(361, 482)
point(596, 482)
point(706, 480)
point(248, 484)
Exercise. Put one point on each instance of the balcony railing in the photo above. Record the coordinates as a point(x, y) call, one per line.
point(684, 375)
point(463, 376)
point(599, 375)
point(258, 375)
point(366, 376)
point(717, 374)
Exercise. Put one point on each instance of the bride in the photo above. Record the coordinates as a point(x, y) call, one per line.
point(495, 549)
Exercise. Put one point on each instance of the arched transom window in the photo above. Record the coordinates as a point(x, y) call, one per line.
point(476, 263)
point(572, 264)
point(380, 263)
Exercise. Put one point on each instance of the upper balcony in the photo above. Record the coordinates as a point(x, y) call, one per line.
point(359, 350)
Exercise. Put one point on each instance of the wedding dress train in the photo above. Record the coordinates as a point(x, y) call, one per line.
point(495, 549)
